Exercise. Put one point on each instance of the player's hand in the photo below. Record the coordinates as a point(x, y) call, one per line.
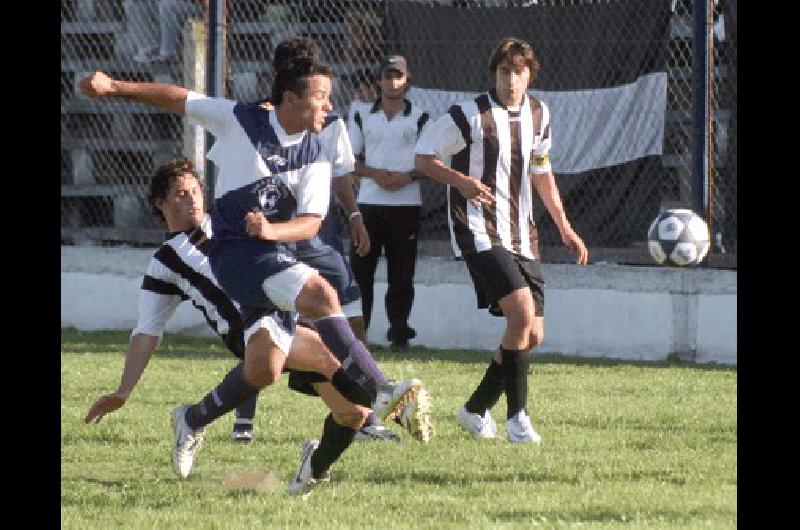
point(97, 85)
point(104, 405)
point(359, 236)
point(267, 105)
point(396, 180)
point(575, 244)
point(476, 191)
point(258, 225)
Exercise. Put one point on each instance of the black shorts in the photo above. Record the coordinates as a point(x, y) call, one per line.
point(498, 272)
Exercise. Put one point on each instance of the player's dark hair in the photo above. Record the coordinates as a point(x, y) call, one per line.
point(293, 76)
point(165, 177)
point(294, 47)
point(509, 47)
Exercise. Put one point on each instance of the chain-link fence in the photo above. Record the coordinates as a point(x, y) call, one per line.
point(110, 148)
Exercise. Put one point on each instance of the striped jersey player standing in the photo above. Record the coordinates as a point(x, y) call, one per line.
point(492, 152)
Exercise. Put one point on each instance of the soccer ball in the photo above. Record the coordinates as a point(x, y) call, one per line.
point(678, 237)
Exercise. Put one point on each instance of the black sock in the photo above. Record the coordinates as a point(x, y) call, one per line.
point(352, 391)
point(232, 391)
point(335, 439)
point(245, 412)
point(515, 375)
point(488, 391)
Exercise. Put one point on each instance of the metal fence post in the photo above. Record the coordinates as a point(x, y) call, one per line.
point(214, 75)
point(700, 105)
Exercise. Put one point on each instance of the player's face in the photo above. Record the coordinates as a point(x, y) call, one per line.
point(314, 106)
point(393, 84)
point(511, 80)
point(183, 207)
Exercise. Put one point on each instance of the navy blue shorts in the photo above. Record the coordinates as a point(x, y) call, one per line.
point(334, 268)
point(241, 267)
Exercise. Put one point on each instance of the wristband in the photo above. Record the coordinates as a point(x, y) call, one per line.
point(355, 214)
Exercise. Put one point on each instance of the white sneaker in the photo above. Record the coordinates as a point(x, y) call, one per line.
point(187, 442)
point(393, 396)
point(416, 417)
point(477, 425)
point(303, 482)
point(519, 429)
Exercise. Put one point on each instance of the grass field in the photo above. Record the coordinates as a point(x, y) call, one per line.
point(624, 445)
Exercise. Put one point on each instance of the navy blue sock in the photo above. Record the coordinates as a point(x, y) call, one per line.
point(488, 391)
point(335, 439)
point(337, 335)
point(232, 391)
point(515, 375)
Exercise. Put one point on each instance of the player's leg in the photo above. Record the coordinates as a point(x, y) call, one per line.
point(265, 355)
point(523, 331)
point(364, 266)
point(496, 276)
point(338, 434)
point(306, 347)
point(401, 258)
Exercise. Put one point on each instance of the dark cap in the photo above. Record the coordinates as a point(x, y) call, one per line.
point(394, 62)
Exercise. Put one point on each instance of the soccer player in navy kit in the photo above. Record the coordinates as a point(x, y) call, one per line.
point(273, 187)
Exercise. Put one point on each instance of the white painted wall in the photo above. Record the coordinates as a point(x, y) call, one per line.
point(634, 313)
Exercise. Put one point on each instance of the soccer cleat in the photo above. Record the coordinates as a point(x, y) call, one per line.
point(519, 429)
point(393, 396)
point(477, 425)
point(303, 481)
point(187, 442)
point(416, 417)
point(377, 433)
point(244, 436)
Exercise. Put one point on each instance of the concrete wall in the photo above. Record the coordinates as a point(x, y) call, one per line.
point(624, 312)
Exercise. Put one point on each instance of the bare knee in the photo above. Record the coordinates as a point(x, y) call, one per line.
point(263, 360)
point(317, 298)
point(260, 376)
point(353, 419)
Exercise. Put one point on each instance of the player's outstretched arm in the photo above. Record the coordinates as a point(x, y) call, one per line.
point(546, 187)
point(140, 350)
point(171, 98)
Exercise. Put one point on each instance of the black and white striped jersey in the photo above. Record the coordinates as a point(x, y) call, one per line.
point(501, 147)
point(178, 271)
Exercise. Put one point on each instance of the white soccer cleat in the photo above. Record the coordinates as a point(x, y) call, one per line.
point(477, 425)
point(416, 417)
point(303, 481)
point(519, 429)
point(187, 442)
point(393, 396)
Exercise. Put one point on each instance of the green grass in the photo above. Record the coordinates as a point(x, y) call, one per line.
point(624, 445)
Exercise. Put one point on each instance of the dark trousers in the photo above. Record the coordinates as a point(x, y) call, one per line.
point(393, 229)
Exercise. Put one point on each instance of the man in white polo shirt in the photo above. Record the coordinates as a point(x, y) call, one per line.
point(383, 137)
